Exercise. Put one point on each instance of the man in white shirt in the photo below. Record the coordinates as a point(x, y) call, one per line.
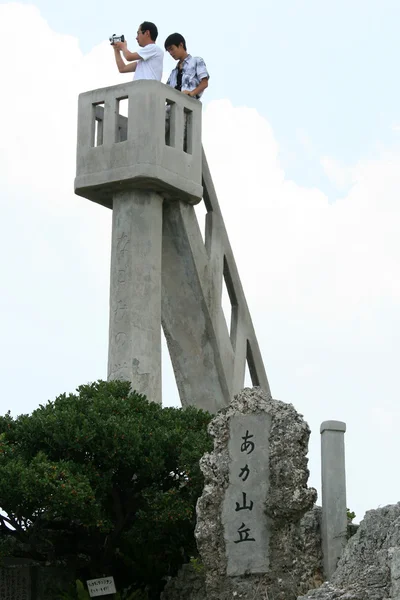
point(147, 62)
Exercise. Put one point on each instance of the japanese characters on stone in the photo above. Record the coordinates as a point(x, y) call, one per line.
point(244, 532)
point(244, 519)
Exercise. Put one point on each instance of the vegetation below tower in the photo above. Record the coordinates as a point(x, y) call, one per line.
point(103, 480)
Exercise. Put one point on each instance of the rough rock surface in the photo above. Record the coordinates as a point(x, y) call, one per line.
point(293, 569)
point(369, 568)
point(189, 584)
point(305, 540)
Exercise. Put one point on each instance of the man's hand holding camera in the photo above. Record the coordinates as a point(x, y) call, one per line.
point(120, 46)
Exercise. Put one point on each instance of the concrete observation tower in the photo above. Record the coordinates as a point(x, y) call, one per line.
point(162, 273)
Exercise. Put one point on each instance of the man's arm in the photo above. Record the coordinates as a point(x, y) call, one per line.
point(203, 77)
point(123, 46)
point(202, 86)
point(122, 67)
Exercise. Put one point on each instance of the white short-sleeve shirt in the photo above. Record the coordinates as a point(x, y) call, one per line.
point(151, 65)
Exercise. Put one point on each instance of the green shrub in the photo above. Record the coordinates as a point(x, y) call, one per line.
point(106, 477)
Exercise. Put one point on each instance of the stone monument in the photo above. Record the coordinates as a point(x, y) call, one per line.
point(249, 518)
point(246, 531)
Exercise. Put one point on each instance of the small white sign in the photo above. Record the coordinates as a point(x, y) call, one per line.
point(101, 587)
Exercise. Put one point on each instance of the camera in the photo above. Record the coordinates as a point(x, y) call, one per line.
point(116, 38)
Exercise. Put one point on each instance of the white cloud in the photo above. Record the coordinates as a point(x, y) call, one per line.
point(340, 176)
point(321, 279)
point(341, 253)
point(322, 282)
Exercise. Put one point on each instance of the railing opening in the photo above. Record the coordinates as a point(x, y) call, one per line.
point(170, 393)
point(229, 302)
point(251, 366)
point(170, 118)
point(247, 377)
point(201, 212)
point(122, 122)
point(188, 131)
point(97, 124)
point(178, 127)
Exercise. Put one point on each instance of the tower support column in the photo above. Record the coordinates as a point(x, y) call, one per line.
point(135, 292)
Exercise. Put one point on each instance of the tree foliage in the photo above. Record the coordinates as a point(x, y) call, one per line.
point(106, 477)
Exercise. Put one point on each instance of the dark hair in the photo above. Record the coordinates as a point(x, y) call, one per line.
point(174, 40)
point(151, 28)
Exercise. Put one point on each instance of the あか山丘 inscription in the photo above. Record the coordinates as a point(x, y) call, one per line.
point(247, 537)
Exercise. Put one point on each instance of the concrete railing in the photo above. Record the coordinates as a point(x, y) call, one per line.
point(138, 150)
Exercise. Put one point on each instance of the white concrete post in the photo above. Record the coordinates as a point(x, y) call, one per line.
point(135, 292)
point(333, 482)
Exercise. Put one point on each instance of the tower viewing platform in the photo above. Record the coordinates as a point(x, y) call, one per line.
point(117, 152)
point(162, 272)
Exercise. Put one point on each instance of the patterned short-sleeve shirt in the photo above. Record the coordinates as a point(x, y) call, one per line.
point(193, 71)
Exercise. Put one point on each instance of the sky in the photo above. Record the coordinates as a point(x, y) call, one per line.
point(301, 127)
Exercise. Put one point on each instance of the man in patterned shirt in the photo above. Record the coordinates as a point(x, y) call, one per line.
point(190, 76)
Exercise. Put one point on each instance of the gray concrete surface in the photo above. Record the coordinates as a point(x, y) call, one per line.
point(246, 530)
point(135, 292)
point(143, 159)
point(209, 359)
point(333, 484)
point(186, 319)
point(121, 161)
